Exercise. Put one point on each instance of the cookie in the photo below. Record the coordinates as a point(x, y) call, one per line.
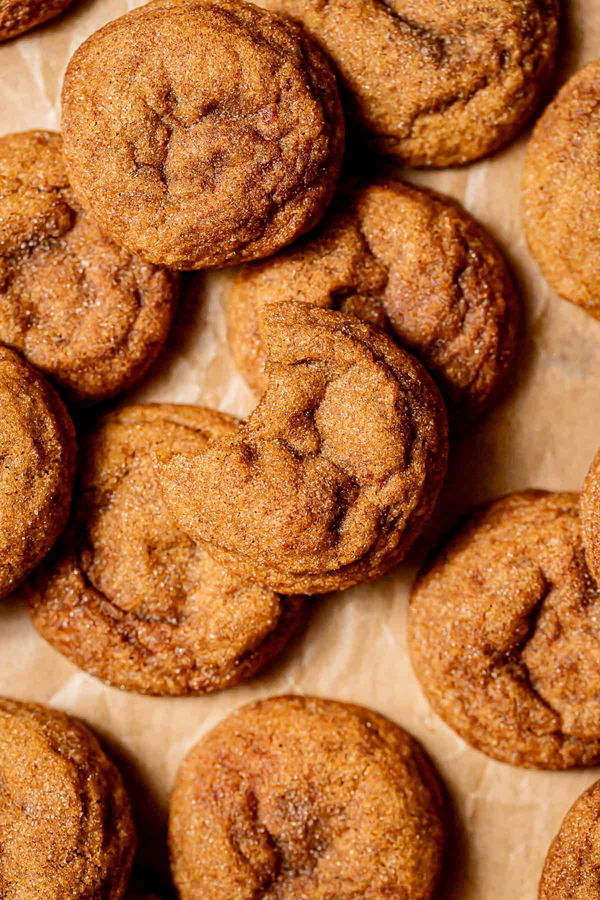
point(589, 510)
point(66, 821)
point(408, 260)
point(561, 191)
point(17, 16)
point(295, 798)
point(87, 313)
point(202, 133)
point(336, 471)
point(436, 83)
point(503, 637)
point(131, 599)
point(573, 861)
point(37, 450)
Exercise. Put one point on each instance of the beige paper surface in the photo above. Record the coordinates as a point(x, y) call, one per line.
point(544, 435)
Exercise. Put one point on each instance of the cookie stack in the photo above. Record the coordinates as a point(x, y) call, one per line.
point(180, 554)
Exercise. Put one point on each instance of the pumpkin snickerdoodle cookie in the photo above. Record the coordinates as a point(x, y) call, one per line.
point(202, 133)
point(436, 82)
point(573, 860)
point(335, 472)
point(409, 260)
point(503, 633)
point(589, 510)
point(127, 595)
point(37, 453)
point(297, 797)
point(17, 16)
point(87, 313)
point(561, 191)
point(66, 821)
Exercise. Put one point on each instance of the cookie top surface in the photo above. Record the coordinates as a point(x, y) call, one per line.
point(65, 816)
point(334, 473)
point(81, 309)
point(561, 191)
point(17, 16)
point(571, 868)
point(296, 797)
point(201, 133)
point(406, 259)
point(436, 82)
point(502, 634)
point(37, 449)
point(589, 511)
point(127, 595)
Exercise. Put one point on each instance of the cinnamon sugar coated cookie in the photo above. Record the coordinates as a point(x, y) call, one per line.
point(561, 191)
point(66, 821)
point(436, 82)
point(406, 259)
point(88, 314)
point(573, 861)
point(589, 510)
point(334, 474)
point(17, 16)
point(503, 637)
point(202, 133)
point(295, 798)
point(37, 454)
point(127, 595)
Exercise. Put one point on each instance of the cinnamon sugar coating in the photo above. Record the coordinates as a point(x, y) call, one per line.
point(571, 867)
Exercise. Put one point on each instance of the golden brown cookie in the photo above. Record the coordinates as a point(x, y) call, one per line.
point(84, 311)
point(17, 16)
point(589, 510)
point(409, 260)
point(335, 472)
point(503, 634)
point(573, 861)
point(296, 798)
point(37, 454)
point(561, 191)
point(64, 814)
point(436, 82)
point(202, 133)
point(127, 596)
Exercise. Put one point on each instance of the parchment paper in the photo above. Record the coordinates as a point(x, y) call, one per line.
point(544, 435)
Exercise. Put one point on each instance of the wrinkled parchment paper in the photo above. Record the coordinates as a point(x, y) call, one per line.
point(544, 435)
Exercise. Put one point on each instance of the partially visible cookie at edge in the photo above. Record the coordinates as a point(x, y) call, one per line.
point(18, 16)
point(573, 860)
point(127, 596)
point(300, 797)
point(37, 450)
point(410, 261)
point(502, 633)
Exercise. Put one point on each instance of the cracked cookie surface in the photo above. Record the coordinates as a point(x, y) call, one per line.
point(410, 261)
point(503, 635)
point(573, 860)
point(335, 472)
point(82, 310)
point(64, 813)
point(200, 133)
point(37, 456)
point(17, 16)
point(127, 596)
point(561, 191)
point(297, 797)
point(436, 82)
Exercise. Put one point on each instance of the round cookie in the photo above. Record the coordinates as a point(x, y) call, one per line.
point(335, 472)
point(409, 260)
point(561, 191)
point(436, 82)
point(296, 797)
point(17, 16)
point(131, 599)
point(37, 450)
point(502, 634)
point(66, 822)
point(573, 860)
point(202, 133)
point(589, 510)
point(81, 309)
